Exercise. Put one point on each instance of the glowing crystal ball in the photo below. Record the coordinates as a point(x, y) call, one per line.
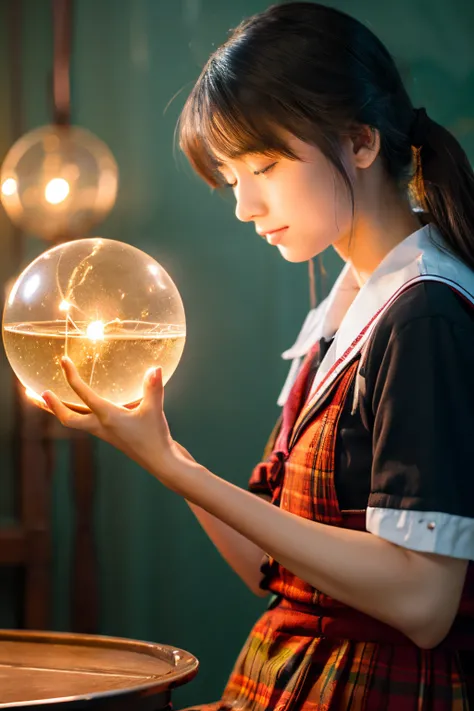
point(58, 181)
point(108, 306)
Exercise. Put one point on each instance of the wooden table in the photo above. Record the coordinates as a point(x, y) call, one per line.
point(43, 670)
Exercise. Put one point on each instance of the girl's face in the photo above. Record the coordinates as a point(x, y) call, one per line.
point(301, 206)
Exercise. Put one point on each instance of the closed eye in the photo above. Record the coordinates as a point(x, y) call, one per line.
point(265, 170)
point(255, 172)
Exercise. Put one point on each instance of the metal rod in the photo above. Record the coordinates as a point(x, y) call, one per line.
point(62, 29)
point(32, 450)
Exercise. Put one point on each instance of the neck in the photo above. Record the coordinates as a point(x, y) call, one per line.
point(375, 233)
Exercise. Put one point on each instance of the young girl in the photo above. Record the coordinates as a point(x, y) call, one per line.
point(363, 510)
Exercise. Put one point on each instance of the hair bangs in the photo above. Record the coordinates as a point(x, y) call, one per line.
point(218, 124)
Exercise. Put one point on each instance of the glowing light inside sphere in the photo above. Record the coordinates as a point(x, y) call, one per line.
point(58, 181)
point(56, 191)
point(9, 187)
point(95, 331)
point(108, 306)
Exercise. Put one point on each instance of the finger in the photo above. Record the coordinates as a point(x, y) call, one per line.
point(90, 398)
point(153, 391)
point(68, 417)
point(36, 399)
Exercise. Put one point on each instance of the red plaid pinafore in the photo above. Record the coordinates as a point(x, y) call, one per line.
point(309, 652)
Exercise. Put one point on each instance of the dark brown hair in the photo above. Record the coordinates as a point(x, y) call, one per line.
point(319, 74)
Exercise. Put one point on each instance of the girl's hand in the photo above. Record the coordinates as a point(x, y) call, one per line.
point(141, 433)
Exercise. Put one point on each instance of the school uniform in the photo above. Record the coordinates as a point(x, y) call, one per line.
point(376, 434)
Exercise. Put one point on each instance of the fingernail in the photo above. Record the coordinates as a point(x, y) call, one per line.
point(151, 375)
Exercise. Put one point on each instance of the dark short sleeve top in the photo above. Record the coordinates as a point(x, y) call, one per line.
point(405, 452)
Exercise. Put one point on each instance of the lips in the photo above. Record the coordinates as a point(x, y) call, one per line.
point(274, 236)
point(264, 233)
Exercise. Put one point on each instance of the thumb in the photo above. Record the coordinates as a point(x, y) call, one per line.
point(153, 390)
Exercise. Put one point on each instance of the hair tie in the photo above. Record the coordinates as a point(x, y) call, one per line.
point(419, 128)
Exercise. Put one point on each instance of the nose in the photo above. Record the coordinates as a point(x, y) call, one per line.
point(249, 203)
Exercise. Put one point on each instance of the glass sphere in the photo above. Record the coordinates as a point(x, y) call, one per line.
point(58, 181)
point(108, 306)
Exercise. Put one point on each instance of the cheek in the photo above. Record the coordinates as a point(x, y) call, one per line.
point(323, 197)
point(318, 206)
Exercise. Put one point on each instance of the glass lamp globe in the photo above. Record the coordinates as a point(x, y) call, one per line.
point(108, 306)
point(58, 181)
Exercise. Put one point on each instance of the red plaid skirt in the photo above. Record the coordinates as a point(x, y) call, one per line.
point(309, 652)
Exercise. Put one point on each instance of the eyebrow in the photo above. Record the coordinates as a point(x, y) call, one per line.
point(237, 156)
point(222, 163)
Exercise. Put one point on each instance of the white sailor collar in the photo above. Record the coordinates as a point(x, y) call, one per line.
point(321, 322)
point(352, 313)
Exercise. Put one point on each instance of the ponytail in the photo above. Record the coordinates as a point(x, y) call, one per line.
point(443, 184)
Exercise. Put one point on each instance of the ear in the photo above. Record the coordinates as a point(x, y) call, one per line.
point(365, 146)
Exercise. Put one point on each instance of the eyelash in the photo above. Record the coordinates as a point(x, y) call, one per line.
point(255, 172)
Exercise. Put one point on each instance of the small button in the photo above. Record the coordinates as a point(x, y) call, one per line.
point(431, 526)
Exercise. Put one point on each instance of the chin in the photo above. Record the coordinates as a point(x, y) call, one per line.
point(296, 256)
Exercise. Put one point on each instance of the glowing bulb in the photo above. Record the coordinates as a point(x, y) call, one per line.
point(64, 305)
point(56, 191)
point(95, 331)
point(9, 187)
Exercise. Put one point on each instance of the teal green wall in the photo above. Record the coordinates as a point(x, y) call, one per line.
point(160, 577)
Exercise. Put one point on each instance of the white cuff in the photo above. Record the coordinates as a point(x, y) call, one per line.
point(424, 531)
